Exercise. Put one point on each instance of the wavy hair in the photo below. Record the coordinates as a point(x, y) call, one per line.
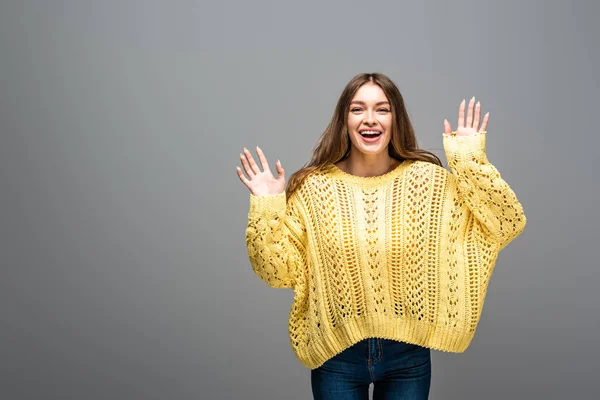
point(334, 143)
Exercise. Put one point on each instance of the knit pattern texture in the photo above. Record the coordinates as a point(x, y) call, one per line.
point(406, 256)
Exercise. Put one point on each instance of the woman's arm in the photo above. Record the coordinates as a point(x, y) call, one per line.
point(487, 195)
point(275, 239)
point(275, 234)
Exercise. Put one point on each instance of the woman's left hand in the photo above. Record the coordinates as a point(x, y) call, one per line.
point(470, 125)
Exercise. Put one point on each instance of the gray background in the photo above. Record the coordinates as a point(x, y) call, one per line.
point(124, 273)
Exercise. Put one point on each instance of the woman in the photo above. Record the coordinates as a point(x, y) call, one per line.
point(389, 254)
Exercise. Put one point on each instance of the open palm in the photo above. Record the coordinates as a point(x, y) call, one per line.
point(470, 125)
point(260, 182)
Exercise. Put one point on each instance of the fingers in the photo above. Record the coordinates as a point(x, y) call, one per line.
point(242, 177)
point(246, 166)
point(280, 170)
point(469, 121)
point(447, 127)
point(263, 160)
point(253, 170)
point(485, 122)
point(473, 116)
point(477, 115)
point(461, 114)
point(250, 161)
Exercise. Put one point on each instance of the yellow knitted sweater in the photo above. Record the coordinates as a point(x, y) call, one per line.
point(405, 256)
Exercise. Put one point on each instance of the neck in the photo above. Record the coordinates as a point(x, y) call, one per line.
point(368, 165)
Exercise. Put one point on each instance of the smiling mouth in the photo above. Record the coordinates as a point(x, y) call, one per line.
point(370, 134)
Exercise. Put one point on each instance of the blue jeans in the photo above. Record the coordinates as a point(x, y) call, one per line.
point(398, 370)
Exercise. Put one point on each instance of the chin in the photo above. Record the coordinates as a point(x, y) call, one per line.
point(366, 149)
point(372, 151)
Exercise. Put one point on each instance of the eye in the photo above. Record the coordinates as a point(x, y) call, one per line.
point(384, 110)
point(355, 109)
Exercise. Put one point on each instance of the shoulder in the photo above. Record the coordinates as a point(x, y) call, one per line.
point(425, 166)
point(424, 172)
point(307, 186)
point(318, 177)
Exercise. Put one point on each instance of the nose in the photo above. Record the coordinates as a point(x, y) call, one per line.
point(370, 117)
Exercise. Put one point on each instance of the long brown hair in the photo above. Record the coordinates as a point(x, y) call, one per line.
point(334, 144)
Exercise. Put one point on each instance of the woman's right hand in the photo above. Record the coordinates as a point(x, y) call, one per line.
point(260, 182)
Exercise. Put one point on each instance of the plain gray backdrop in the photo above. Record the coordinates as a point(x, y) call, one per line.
point(124, 273)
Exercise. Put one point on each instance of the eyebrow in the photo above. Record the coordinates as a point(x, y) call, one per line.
point(363, 103)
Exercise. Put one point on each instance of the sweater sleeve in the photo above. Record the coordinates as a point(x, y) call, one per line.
point(275, 239)
point(487, 195)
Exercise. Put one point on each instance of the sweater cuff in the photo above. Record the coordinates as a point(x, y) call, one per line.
point(465, 147)
point(270, 204)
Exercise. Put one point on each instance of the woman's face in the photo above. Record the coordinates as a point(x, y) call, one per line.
point(370, 120)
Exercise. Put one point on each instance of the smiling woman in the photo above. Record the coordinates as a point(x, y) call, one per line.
point(388, 253)
point(370, 131)
point(369, 101)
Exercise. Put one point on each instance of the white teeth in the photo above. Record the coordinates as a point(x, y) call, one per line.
point(370, 133)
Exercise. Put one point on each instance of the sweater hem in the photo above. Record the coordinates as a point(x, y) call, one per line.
point(435, 337)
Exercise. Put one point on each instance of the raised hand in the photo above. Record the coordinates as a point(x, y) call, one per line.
point(260, 182)
point(470, 126)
